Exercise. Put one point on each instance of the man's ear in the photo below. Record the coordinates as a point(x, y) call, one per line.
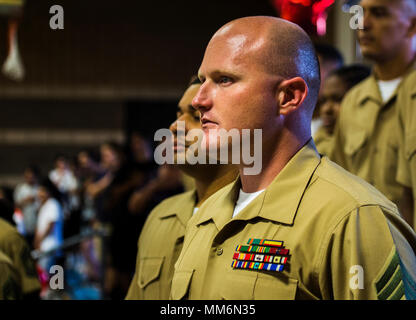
point(291, 94)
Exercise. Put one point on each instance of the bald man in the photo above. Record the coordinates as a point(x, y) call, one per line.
point(366, 140)
point(303, 228)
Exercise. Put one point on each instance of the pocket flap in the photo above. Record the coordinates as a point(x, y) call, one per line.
point(275, 289)
point(355, 141)
point(149, 270)
point(180, 284)
point(239, 285)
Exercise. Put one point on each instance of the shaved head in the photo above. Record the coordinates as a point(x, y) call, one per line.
point(259, 73)
point(278, 47)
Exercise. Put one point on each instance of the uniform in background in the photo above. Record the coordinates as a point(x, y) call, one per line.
point(366, 140)
point(159, 247)
point(323, 141)
point(15, 247)
point(10, 286)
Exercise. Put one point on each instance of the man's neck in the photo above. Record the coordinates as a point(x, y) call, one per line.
point(394, 68)
point(279, 155)
point(213, 179)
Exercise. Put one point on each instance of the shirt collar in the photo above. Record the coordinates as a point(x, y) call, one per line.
point(370, 89)
point(279, 202)
point(183, 208)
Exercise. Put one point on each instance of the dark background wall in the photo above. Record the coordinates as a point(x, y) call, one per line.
point(119, 48)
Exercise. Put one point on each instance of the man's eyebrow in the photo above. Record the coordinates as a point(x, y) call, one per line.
point(220, 72)
point(376, 7)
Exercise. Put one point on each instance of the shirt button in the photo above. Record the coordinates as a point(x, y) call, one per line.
point(219, 251)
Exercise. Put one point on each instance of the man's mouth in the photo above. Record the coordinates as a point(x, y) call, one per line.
point(207, 123)
point(327, 120)
point(365, 39)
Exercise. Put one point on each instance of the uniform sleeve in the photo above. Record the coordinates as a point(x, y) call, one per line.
point(19, 252)
point(367, 257)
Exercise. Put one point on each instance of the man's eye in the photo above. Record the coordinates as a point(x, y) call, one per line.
point(379, 12)
point(224, 80)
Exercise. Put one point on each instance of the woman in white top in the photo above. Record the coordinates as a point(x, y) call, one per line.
point(49, 227)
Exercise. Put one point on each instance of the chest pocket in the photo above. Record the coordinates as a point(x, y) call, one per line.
point(181, 283)
point(355, 141)
point(258, 286)
point(410, 145)
point(149, 274)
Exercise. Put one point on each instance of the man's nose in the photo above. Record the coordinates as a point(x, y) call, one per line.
point(367, 20)
point(202, 100)
point(173, 127)
point(182, 125)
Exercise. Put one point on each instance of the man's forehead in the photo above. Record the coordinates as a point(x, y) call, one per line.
point(188, 95)
point(238, 48)
point(334, 83)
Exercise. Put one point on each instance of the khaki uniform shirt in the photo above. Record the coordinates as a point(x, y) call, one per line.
point(345, 240)
point(10, 284)
point(16, 248)
point(406, 101)
point(159, 246)
point(323, 141)
point(366, 141)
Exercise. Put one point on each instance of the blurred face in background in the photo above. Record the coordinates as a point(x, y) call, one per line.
point(110, 159)
point(61, 164)
point(189, 116)
point(386, 29)
point(83, 159)
point(43, 194)
point(29, 177)
point(140, 148)
point(330, 100)
point(326, 67)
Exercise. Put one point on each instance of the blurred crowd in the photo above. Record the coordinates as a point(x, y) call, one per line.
point(109, 190)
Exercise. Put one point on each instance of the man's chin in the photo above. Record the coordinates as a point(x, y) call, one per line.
point(370, 53)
